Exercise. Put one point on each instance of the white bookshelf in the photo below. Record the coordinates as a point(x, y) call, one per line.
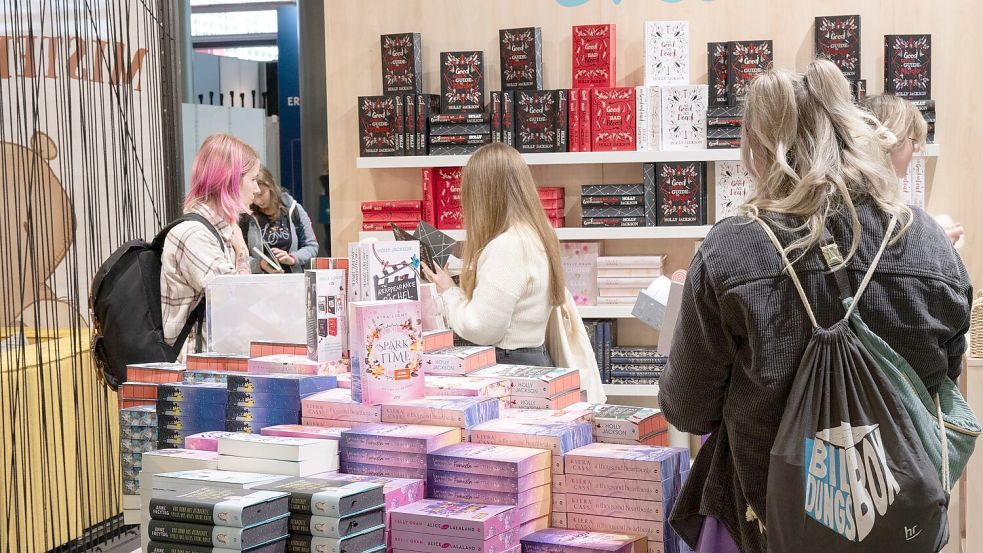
point(632, 390)
point(592, 234)
point(575, 158)
point(605, 311)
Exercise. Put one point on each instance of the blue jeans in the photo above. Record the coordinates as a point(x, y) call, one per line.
point(535, 357)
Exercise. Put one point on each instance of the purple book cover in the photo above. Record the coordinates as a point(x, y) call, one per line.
point(406, 438)
point(337, 404)
point(656, 531)
point(519, 499)
point(458, 412)
point(466, 520)
point(384, 458)
point(568, 414)
point(616, 507)
point(366, 469)
point(656, 490)
point(398, 491)
point(440, 385)
point(428, 543)
point(489, 460)
point(478, 481)
point(557, 540)
point(637, 462)
point(559, 438)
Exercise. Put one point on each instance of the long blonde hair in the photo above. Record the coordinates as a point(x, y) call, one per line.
point(899, 116)
point(812, 153)
point(498, 193)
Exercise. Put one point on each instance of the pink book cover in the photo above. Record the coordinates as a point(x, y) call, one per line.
point(624, 282)
point(655, 531)
point(338, 404)
point(631, 262)
point(398, 491)
point(559, 502)
point(636, 462)
point(328, 423)
point(559, 483)
point(301, 431)
point(580, 270)
point(617, 487)
point(535, 525)
point(617, 507)
point(386, 345)
point(616, 300)
point(532, 496)
point(434, 340)
point(558, 540)
point(450, 518)
point(489, 460)
point(458, 361)
point(533, 511)
point(478, 481)
point(204, 441)
point(658, 439)
point(345, 381)
point(455, 411)
point(384, 471)
point(293, 364)
point(557, 466)
point(406, 438)
point(533, 381)
point(630, 272)
point(559, 401)
point(558, 520)
point(568, 414)
point(627, 422)
point(556, 437)
point(466, 386)
point(428, 543)
point(624, 292)
point(384, 458)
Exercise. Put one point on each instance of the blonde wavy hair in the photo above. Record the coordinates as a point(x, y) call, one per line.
point(899, 116)
point(498, 193)
point(813, 153)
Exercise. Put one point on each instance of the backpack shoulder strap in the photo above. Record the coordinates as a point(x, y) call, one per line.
point(834, 261)
point(158, 243)
point(789, 269)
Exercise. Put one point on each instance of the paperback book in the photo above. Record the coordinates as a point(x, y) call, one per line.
point(579, 261)
point(327, 336)
point(457, 412)
point(387, 345)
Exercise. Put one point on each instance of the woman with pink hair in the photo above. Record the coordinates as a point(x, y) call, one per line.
point(223, 184)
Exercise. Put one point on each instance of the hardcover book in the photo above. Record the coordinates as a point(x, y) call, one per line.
point(666, 53)
point(838, 40)
point(219, 506)
point(648, 107)
point(681, 193)
point(490, 460)
point(328, 498)
point(462, 82)
point(442, 189)
point(533, 381)
point(558, 438)
point(440, 132)
point(302, 431)
point(521, 53)
point(734, 186)
point(409, 127)
point(584, 117)
point(378, 128)
point(293, 385)
point(558, 540)
point(746, 59)
point(614, 211)
point(573, 121)
point(426, 105)
point(611, 201)
point(391, 270)
point(327, 336)
point(453, 149)
point(496, 116)
point(684, 117)
point(457, 412)
point(335, 527)
point(466, 386)
point(387, 345)
point(458, 361)
point(717, 59)
point(466, 520)
point(402, 64)
point(611, 190)
point(908, 66)
point(372, 540)
point(624, 461)
point(579, 261)
point(536, 115)
point(613, 119)
point(217, 536)
point(398, 491)
point(403, 438)
point(594, 56)
point(508, 118)
point(562, 121)
point(623, 222)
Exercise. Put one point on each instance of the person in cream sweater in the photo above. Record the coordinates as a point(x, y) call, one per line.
point(512, 277)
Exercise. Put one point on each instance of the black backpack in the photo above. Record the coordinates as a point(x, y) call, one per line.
point(126, 310)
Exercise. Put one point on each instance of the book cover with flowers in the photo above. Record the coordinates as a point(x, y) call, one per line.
point(579, 261)
point(387, 345)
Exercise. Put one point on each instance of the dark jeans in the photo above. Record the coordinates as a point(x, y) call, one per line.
point(535, 357)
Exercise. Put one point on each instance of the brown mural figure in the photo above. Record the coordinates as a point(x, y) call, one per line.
point(38, 229)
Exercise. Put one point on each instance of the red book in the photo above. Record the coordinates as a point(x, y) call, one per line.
point(594, 56)
point(553, 214)
point(408, 226)
point(574, 121)
point(613, 119)
point(386, 216)
point(429, 209)
point(550, 192)
point(558, 223)
point(553, 204)
point(442, 190)
point(397, 205)
point(585, 140)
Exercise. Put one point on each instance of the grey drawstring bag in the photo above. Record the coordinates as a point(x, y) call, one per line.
point(847, 471)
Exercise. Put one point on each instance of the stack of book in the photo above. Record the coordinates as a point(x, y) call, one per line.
point(138, 434)
point(462, 102)
point(680, 192)
point(466, 386)
point(554, 203)
point(435, 340)
point(666, 65)
point(186, 409)
point(603, 335)
point(497, 475)
point(209, 361)
point(142, 379)
point(731, 66)
point(554, 540)
point(434, 525)
point(621, 278)
point(215, 517)
point(724, 127)
point(594, 66)
point(336, 408)
point(277, 455)
point(627, 489)
point(635, 365)
point(133, 393)
point(396, 450)
point(623, 424)
point(579, 261)
point(458, 133)
point(442, 197)
point(378, 216)
point(458, 361)
point(294, 364)
point(260, 348)
point(454, 411)
point(613, 205)
point(167, 460)
point(388, 124)
point(260, 400)
point(536, 387)
point(333, 515)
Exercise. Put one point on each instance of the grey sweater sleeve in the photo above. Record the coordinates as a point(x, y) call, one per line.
point(693, 385)
point(307, 246)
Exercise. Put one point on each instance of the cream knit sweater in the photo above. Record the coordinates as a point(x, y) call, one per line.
point(510, 305)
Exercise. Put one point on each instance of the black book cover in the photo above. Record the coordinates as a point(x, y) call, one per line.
point(223, 506)
point(377, 128)
point(508, 117)
point(366, 541)
point(426, 106)
point(838, 40)
point(460, 139)
point(723, 143)
point(278, 546)
point(218, 536)
point(457, 118)
point(717, 73)
point(615, 222)
point(402, 65)
point(464, 128)
point(717, 133)
point(522, 58)
point(746, 59)
point(453, 149)
point(336, 527)
point(681, 193)
point(400, 126)
point(535, 115)
point(562, 120)
point(612, 201)
point(462, 82)
point(496, 116)
point(409, 103)
point(908, 66)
